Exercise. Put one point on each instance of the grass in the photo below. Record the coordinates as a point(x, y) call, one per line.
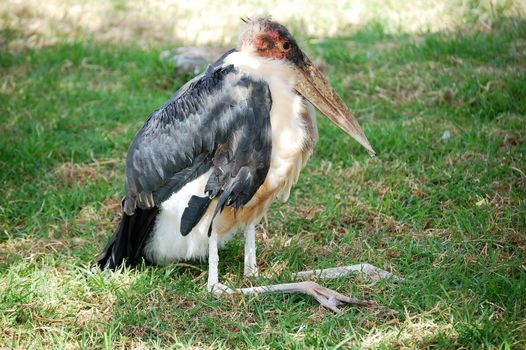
point(211, 22)
point(445, 213)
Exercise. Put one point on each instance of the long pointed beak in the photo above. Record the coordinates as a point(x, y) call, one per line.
point(312, 85)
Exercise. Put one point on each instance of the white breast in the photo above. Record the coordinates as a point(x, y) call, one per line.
point(288, 127)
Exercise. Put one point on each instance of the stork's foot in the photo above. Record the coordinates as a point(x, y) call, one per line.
point(328, 298)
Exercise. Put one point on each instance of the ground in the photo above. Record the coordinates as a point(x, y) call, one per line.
point(442, 205)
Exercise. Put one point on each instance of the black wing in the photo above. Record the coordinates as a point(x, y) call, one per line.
point(220, 119)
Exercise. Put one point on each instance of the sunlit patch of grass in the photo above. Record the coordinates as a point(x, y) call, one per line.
point(35, 23)
point(442, 205)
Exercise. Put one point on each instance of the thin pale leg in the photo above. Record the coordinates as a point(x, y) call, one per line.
point(328, 298)
point(325, 296)
point(250, 266)
point(213, 284)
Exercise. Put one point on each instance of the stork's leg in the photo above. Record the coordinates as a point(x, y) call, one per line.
point(368, 271)
point(325, 296)
point(213, 267)
point(251, 267)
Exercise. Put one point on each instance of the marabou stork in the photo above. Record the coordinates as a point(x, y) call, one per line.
point(212, 159)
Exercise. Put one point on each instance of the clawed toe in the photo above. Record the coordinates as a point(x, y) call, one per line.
point(329, 298)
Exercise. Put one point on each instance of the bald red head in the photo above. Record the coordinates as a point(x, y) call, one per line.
point(270, 39)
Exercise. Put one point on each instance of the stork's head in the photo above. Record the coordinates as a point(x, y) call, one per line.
point(266, 38)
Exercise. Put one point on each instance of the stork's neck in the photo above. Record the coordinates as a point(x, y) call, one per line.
point(263, 68)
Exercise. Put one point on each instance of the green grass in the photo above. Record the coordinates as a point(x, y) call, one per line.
point(446, 215)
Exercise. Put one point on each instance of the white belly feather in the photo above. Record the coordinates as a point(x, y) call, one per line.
point(167, 243)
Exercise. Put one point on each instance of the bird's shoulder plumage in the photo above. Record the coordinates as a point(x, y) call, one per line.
point(219, 120)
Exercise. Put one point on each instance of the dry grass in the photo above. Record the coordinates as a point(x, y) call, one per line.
point(446, 213)
point(147, 23)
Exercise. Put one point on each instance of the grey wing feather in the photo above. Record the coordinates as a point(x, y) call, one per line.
point(191, 133)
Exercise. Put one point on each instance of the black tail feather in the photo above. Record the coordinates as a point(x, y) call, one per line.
point(127, 243)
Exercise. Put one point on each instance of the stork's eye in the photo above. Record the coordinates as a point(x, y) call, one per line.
point(286, 46)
